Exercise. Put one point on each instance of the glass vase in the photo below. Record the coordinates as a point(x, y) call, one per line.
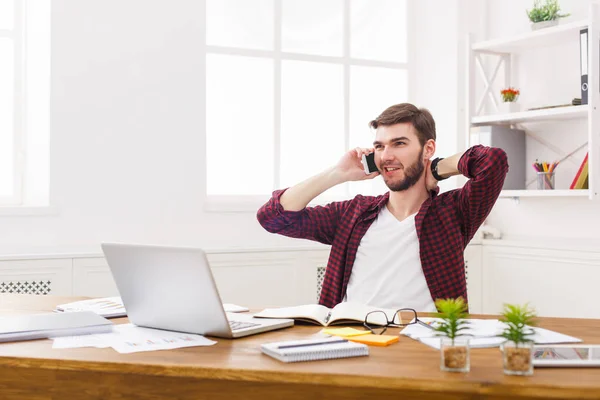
point(518, 358)
point(454, 354)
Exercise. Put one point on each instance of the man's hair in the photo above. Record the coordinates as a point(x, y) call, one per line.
point(420, 118)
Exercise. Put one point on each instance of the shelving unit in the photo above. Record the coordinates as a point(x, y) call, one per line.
point(503, 50)
point(548, 114)
point(545, 193)
point(542, 37)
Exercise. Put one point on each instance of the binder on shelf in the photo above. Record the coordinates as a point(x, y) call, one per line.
point(583, 60)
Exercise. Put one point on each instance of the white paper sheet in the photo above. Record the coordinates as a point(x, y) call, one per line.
point(73, 342)
point(483, 333)
point(128, 338)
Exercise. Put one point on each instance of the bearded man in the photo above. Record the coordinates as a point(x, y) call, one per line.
point(403, 249)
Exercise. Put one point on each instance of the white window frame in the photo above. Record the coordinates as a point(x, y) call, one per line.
point(17, 35)
point(248, 203)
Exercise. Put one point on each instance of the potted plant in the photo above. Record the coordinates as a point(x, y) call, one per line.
point(454, 349)
point(545, 14)
point(518, 349)
point(509, 103)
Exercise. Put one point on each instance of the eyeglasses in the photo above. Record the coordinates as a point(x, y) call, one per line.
point(377, 321)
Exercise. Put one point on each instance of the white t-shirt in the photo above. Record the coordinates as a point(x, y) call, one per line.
point(387, 272)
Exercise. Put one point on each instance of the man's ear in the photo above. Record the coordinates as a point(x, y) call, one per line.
point(428, 149)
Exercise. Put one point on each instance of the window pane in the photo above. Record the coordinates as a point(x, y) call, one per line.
point(37, 96)
point(312, 27)
point(378, 30)
point(239, 125)
point(240, 23)
point(372, 90)
point(312, 120)
point(6, 14)
point(6, 117)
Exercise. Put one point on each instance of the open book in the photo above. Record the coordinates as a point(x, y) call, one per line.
point(343, 313)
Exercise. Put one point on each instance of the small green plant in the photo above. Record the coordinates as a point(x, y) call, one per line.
point(518, 319)
point(453, 313)
point(548, 10)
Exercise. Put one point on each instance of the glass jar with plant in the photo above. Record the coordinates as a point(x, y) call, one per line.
point(454, 349)
point(518, 349)
point(545, 13)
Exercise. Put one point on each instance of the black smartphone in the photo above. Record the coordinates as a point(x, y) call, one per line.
point(368, 162)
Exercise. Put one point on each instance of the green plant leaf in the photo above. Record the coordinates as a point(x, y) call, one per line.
point(519, 320)
point(453, 313)
point(548, 10)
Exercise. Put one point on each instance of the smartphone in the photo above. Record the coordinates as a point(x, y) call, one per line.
point(368, 162)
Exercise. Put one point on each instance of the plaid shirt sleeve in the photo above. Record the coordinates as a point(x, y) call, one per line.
point(314, 223)
point(486, 168)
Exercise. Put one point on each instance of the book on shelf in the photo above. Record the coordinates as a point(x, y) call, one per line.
point(581, 178)
point(343, 313)
point(314, 349)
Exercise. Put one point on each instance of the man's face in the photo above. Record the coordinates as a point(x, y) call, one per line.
point(399, 156)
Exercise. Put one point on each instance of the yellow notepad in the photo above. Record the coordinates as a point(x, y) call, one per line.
point(345, 332)
point(375, 340)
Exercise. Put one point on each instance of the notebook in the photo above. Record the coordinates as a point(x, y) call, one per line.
point(343, 313)
point(42, 326)
point(314, 349)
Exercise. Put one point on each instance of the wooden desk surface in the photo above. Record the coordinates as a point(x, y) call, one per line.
point(237, 369)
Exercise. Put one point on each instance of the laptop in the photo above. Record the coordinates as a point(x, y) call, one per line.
point(173, 288)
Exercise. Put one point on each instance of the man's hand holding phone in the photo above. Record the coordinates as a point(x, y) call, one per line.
point(351, 167)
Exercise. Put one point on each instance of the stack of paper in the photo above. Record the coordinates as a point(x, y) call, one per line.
point(108, 307)
point(112, 307)
point(482, 333)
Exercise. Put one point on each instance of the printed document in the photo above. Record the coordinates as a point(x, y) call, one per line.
point(483, 333)
point(128, 338)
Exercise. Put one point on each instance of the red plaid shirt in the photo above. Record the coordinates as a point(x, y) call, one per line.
point(445, 224)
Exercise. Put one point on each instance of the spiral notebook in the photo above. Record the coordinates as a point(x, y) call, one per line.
point(314, 349)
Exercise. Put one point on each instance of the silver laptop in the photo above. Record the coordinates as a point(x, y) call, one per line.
point(173, 288)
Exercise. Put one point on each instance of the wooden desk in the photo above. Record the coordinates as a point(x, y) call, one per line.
point(236, 369)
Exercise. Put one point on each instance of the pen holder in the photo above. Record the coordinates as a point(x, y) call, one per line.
point(545, 180)
point(454, 354)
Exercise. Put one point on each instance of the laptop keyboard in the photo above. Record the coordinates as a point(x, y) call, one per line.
point(237, 325)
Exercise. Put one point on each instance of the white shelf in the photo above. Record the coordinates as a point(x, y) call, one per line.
point(542, 37)
point(533, 115)
point(545, 193)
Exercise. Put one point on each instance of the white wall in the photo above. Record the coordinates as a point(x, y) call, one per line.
point(127, 124)
point(538, 72)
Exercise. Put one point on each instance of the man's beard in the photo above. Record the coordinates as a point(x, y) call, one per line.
point(412, 174)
